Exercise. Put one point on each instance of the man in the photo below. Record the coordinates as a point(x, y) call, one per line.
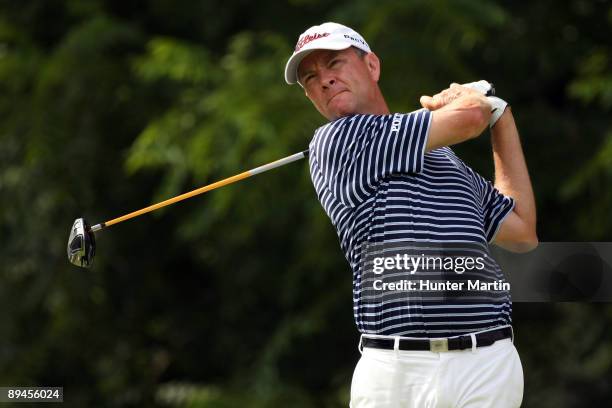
point(389, 179)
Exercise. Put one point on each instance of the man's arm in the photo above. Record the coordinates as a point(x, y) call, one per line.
point(518, 230)
point(458, 114)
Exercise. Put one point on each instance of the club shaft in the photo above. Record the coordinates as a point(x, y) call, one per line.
point(209, 187)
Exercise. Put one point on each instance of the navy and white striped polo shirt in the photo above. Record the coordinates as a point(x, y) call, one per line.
point(377, 185)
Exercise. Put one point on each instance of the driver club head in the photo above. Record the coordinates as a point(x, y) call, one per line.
point(81, 244)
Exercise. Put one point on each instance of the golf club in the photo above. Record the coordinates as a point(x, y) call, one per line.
point(82, 244)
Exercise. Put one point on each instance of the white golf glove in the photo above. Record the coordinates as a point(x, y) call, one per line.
point(498, 105)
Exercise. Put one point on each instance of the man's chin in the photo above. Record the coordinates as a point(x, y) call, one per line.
point(340, 115)
point(340, 111)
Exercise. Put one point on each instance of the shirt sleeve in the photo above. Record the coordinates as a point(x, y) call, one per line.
point(354, 154)
point(495, 205)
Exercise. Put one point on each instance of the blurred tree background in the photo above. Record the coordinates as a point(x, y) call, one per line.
point(242, 297)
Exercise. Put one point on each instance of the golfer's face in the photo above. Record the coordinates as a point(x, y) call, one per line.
point(339, 83)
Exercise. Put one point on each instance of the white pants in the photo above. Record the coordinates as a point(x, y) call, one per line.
point(486, 377)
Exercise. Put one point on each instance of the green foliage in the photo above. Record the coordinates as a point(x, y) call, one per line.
point(593, 87)
point(242, 297)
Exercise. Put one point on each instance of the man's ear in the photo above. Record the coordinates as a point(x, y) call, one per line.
point(373, 64)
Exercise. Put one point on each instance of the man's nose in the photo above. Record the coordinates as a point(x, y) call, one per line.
point(327, 80)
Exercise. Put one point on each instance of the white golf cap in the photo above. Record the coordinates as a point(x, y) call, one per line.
point(327, 36)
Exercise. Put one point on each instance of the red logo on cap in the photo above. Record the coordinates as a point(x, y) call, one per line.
point(308, 38)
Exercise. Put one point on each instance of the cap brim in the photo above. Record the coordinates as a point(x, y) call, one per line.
point(294, 61)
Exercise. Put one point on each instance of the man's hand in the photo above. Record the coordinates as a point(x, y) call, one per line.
point(458, 114)
point(447, 96)
point(498, 106)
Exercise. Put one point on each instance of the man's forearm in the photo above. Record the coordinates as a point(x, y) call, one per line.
point(511, 174)
point(458, 120)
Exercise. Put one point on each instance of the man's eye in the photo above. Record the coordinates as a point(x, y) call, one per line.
point(334, 62)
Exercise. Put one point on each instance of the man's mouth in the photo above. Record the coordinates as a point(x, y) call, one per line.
point(330, 99)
